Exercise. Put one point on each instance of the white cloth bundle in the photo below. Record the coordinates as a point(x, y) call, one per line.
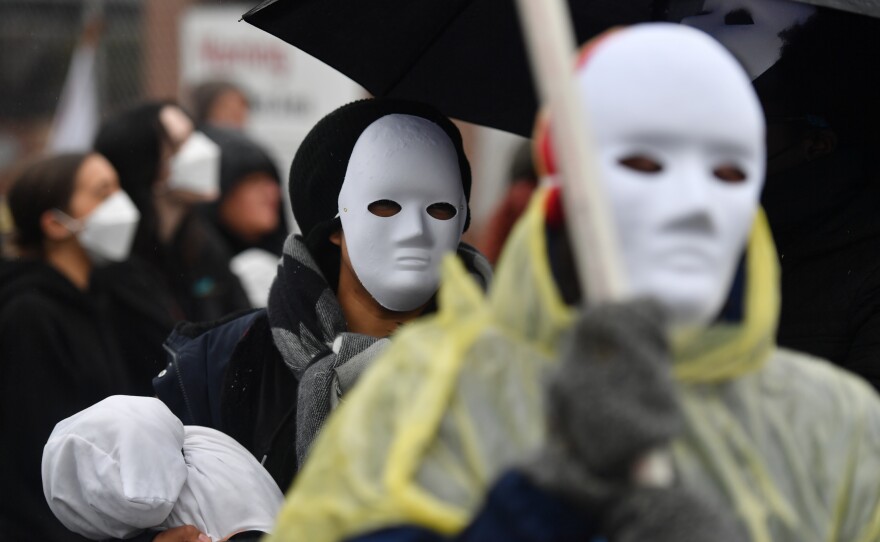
point(127, 464)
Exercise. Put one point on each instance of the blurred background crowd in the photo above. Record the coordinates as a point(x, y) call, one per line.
point(144, 157)
point(197, 52)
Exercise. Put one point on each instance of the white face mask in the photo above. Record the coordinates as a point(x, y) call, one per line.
point(108, 231)
point(666, 96)
point(404, 167)
point(750, 28)
point(196, 167)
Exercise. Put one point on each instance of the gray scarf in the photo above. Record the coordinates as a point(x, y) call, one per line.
point(310, 332)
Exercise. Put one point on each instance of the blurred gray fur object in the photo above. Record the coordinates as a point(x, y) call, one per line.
point(611, 401)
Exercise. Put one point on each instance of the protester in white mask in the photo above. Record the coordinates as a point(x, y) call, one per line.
point(404, 207)
point(269, 378)
point(328, 313)
point(683, 181)
point(168, 168)
point(60, 338)
point(822, 112)
point(576, 399)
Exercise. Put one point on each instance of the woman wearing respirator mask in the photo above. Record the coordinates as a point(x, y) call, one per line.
point(168, 168)
point(58, 341)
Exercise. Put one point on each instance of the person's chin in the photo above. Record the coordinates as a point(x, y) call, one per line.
point(690, 301)
point(412, 280)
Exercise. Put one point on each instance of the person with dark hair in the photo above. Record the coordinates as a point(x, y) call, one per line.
point(220, 103)
point(168, 168)
point(58, 341)
point(669, 414)
point(816, 73)
point(381, 189)
point(822, 187)
point(248, 215)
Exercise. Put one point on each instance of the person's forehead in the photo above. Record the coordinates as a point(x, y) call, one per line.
point(396, 132)
point(403, 155)
point(684, 85)
point(397, 179)
point(95, 170)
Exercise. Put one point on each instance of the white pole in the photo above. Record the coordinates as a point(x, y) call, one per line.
point(551, 44)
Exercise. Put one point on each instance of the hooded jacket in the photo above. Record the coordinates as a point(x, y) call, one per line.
point(58, 357)
point(789, 442)
point(230, 375)
point(824, 220)
point(240, 157)
point(195, 265)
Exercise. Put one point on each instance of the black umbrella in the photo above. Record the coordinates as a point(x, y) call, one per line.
point(465, 57)
point(863, 7)
point(468, 59)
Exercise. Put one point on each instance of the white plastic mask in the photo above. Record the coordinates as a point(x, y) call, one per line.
point(196, 167)
point(108, 231)
point(668, 98)
point(750, 28)
point(404, 167)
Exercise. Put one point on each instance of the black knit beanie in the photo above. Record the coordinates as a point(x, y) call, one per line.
point(320, 163)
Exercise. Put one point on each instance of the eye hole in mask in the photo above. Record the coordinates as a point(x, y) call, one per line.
point(442, 211)
point(729, 173)
point(384, 208)
point(739, 17)
point(641, 163)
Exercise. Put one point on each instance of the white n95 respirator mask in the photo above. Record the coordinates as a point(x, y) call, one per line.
point(680, 141)
point(402, 207)
point(107, 233)
point(196, 167)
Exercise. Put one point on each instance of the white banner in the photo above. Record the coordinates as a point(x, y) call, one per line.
point(289, 90)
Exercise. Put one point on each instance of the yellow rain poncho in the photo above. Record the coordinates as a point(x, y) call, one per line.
point(790, 442)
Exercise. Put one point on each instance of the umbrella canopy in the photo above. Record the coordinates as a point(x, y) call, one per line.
point(864, 7)
point(465, 57)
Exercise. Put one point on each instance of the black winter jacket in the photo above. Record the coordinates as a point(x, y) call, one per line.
point(59, 356)
point(140, 312)
point(194, 269)
point(228, 375)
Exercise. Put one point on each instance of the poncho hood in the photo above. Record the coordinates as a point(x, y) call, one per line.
point(739, 341)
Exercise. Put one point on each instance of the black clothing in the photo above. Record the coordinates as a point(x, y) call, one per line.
point(272, 242)
point(824, 219)
point(310, 331)
point(58, 357)
point(141, 314)
point(319, 165)
point(516, 510)
point(231, 375)
point(195, 268)
point(239, 157)
point(228, 375)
